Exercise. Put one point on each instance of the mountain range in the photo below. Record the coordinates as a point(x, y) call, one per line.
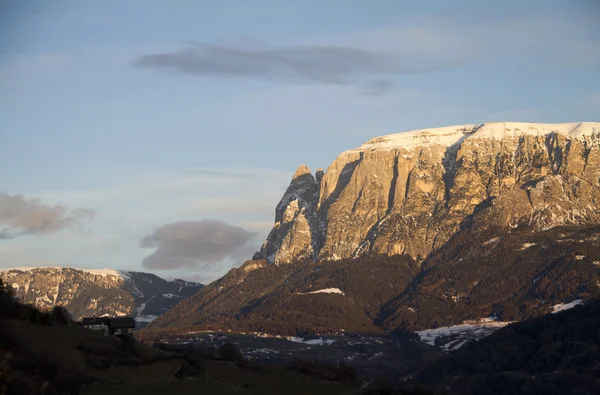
point(410, 231)
point(422, 229)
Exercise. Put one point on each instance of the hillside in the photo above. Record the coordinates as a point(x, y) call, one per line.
point(295, 298)
point(87, 292)
point(40, 354)
point(510, 276)
point(469, 279)
point(553, 354)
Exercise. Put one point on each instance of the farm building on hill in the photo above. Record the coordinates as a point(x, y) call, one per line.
point(110, 325)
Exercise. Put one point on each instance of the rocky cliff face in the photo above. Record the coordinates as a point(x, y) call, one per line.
point(409, 193)
point(98, 292)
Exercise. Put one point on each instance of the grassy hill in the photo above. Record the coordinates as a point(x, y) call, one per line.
point(41, 353)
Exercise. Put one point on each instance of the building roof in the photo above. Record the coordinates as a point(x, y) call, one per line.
point(121, 322)
point(95, 321)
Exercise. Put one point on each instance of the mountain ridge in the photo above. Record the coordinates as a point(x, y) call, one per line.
point(88, 292)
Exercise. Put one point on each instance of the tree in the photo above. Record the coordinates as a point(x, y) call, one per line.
point(8, 304)
point(61, 316)
point(6, 290)
point(231, 352)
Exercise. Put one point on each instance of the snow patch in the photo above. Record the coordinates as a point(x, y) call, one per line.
point(146, 318)
point(324, 291)
point(490, 241)
point(527, 245)
point(312, 342)
point(557, 308)
point(140, 308)
point(459, 335)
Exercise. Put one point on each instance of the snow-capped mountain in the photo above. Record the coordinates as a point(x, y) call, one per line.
point(409, 192)
point(88, 292)
point(421, 230)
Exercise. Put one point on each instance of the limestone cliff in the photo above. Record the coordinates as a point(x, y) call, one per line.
point(410, 192)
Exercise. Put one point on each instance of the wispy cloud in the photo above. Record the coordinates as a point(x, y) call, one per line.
point(197, 245)
point(371, 59)
point(330, 64)
point(20, 215)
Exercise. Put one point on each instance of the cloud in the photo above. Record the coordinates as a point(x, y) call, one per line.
point(195, 245)
point(330, 64)
point(372, 58)
point(20, 215)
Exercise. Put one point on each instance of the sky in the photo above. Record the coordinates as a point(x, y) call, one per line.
point(158, 136)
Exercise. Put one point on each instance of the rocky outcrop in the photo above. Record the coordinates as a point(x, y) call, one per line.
point(98, 292)
point(410, 192)
point(297, 230)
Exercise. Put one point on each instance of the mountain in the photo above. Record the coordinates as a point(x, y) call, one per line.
point(423, 229)
point(98, 292)
point(410, 192)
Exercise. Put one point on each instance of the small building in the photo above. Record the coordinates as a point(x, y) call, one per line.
point(121, 326)
point(110, 325)
point(96, 324)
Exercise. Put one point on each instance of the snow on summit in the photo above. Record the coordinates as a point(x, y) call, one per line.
point(98, 272)
point(450, 135)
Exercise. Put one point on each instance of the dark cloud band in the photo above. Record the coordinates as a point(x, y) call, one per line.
point(196, 245)
point(305, 64)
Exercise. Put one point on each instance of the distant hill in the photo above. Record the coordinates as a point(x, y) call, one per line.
point(88, 292)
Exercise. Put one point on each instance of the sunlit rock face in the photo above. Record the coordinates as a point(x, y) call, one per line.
point(410, 192)
point(88, 292)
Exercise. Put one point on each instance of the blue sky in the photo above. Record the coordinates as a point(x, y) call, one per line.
point(153, 116)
